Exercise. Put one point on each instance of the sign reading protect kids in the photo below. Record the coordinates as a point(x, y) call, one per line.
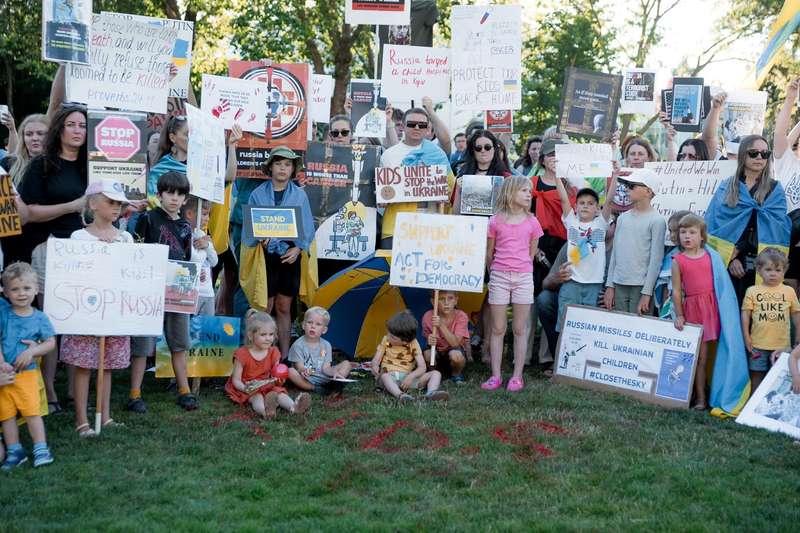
point(643, 357)
point(444, 252)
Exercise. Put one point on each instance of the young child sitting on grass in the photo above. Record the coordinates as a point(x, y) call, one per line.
point(452, 335)
point(399, 364)
point(312, 356)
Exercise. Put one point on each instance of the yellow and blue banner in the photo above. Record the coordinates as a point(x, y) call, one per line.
point(277, 222)
point(787, 22)
point(214, 339)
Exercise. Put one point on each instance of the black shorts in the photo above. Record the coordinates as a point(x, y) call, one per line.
point(282, 278)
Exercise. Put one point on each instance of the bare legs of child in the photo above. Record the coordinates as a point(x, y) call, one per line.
point(429, 380)
point(266, 405)
point(700, 403)
point(296, 378)
point(519, 325)
point(82, 379)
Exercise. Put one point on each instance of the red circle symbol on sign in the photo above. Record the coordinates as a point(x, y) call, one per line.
point(118, 138)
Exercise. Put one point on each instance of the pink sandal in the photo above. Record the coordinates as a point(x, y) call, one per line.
point(515, 384)
point(492, 383)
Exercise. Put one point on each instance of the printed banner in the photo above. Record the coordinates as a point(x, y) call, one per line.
point(369, 110)
point(380, 12)
point(182, 287)
point(445, 252)
point(638, 92)
point(319, 106)
point(589, 103)
point(205, 159)
point(479, 194)
point(214, 339)
point(687, 103)
point(418, 183)
point(414, 72)
point(99, 288)
point(499, 121)
point(235, 101)
point(128, 67)
point(742, 115)
point(66, 30)
point(585, 165)
point(117, 150)
point(639, 356)
point(688, 184)
point(277, 222)
point(10, 223)
point(774, 406)
point(486, 56)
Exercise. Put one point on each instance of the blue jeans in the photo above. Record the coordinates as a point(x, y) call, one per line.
point(573, 292)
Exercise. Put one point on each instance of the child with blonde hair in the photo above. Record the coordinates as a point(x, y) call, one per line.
point(313, 356)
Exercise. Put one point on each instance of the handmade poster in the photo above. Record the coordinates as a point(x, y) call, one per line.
point(486, 57)
point(585, 165)
point(236, 101)
point(10, 223)
point(638, 92)
point(418, 183)
point(319, 105)
point(479, 194)
point(589, 103)
point(687, 99)
point(205, 155)
point(274, 222)
point(742, 115)
point(340, 185)
point(287, 112)
point(414, 72)
point(446, 252)
point(182, 292)
point(129, 64)
point(774, 406)
point(66, 30)
point(369, 109)
point(213, 338)
point(499, 121)
point(117, 150)
point(100, 288)
point(374, 12)
point(181, 52)
point(688, 184)
point(639, 356)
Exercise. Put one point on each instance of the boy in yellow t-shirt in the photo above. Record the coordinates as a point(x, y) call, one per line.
point(766, 310)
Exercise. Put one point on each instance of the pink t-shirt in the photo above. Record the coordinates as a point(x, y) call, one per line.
point(512, 243)
point(458, 326)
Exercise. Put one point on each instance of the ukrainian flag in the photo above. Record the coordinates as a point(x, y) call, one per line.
point(783, 27)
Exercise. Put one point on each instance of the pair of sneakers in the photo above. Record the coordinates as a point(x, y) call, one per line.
point(515, 384)
point(18, 457)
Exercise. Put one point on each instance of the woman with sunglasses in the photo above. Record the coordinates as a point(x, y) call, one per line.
point(693, 150)
point(482, 156)
point(340, 130)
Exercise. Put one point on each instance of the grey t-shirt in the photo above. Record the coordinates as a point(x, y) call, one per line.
point(311, 357)
point(638, 250)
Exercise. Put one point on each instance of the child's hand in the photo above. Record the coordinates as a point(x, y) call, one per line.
point(202, 242)
point(431, 340)
point(306, 372)
point(644, 304)
point(796, 386)
point(608, 298)
point(748, 344)
point(406, 383)
point(679, 323)
point(23, 360)
point(202, 275)
point(773, 358)
point(7, 374)
point(436, 321)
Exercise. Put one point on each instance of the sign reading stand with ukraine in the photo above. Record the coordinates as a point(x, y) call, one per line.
point(278, 222)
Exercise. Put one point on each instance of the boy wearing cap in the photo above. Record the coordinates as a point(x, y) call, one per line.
point(638, 247)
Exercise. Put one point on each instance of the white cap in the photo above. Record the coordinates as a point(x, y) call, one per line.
point(645, 176)
point(111, 189)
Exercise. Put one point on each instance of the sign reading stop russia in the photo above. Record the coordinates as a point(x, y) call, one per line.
point(118, 138)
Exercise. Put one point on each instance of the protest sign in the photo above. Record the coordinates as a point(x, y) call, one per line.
point(640, 356)
point(774, 406)
point(100, 288)
point(369, 110)
point(117, 150)
point(181, 293)
point(66, 30)
point(128, 67)
point(274, 222)
point(319, 105)
point(486, 57)
point(584, 165)
point(666, 102)
point(479, 194)
point(499, 121)
point(687, 100)
point(688, 184)
point(417, 183)
point(236, 101)
point(10, 223)
point(742, 115)
point(340, 185)
point(377, 12)
point(445, 252)
point(589, 103)
point(413, 72)
point(205, 155)
point(638, 92)
point(287, 112)
point(213, 338)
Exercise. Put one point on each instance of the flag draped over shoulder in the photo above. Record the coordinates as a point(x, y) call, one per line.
point(784, 26)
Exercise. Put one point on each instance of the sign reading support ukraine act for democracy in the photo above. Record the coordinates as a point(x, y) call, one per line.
point(640, 356)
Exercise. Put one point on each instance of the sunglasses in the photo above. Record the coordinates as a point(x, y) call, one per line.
point(630, 186)
point(484, 147)
point(681, 157)
point(418, 125)
point(340, 133)
point(753, 154)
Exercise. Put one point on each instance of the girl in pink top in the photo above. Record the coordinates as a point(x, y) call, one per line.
point(513, 239)
point(693, 296)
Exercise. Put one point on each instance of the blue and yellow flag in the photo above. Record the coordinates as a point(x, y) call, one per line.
point(783, 27)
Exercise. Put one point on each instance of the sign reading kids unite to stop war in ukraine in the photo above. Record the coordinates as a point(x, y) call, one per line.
point(419, 183)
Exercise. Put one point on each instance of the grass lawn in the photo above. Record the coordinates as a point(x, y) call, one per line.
point(551, 457)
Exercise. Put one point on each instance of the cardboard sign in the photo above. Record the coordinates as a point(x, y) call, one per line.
point(687, 101)
point(773, 406)
point(499, 121)
point(418, 183)
point(372, 12)
point(486, 57)
point(639, 356)
point(688, 184)
point(479, 194)
point(583, 164)
point(205, 159)
point(117, 150)
point(369, 110)
point(589, 103)
point(99, 288)
point(638, 92)
point(214, 339)
point(446, 252)
point(742, 115)
point(66, 30)
point(278, 222)
point(10, 223)
point(413, 72)
point(128, 66)
point(235, 101)
point(319, 105)
point(182, 293)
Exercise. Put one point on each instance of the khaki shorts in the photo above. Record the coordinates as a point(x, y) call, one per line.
point(176, 332)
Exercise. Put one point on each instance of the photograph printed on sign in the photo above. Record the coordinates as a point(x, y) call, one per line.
point(774, 405)
point(742, 115)
point(589, 103)
point(182, 292)
point(116, 150)
point(638, 92)
point(479, 194)
point(687, 101)
point(66, 30)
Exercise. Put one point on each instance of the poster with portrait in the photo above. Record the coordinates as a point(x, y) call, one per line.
point(589, 103)
point(774, 405)
point(66, 30)
point(369, 109)
point(638, 92)
point(742, 115)
point(687, 102)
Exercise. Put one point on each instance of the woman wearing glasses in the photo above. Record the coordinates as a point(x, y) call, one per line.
point(340, 130)
point(482, 156)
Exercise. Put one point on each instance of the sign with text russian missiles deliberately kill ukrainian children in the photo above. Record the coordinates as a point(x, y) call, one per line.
point(643, 357)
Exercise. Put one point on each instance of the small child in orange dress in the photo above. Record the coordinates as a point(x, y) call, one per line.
point(250, 381)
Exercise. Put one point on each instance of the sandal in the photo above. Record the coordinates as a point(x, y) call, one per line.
point(111, 423)
point(54, 408)
point(302, 403)
point(85, 431)
point(700, 407)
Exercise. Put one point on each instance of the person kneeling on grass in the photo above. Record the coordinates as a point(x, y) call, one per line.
point(312, 356)
point(399, 365)
point(452, 334)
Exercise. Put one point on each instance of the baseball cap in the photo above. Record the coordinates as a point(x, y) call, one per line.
point(109, 188)
point(549, 146)
point(643, 176)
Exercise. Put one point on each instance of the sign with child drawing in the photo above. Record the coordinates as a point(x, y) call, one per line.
point(236, 101)
point(205, 158)
point(774, 406)
point(445, 252)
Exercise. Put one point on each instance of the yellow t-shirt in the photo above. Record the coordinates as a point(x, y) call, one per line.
point(398, 358)
point(771, 311)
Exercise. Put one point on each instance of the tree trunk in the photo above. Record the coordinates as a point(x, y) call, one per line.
point(342, 62)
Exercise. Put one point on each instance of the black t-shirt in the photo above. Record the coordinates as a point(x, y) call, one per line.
point(794, 250)
point(156, 227)
point(278, 196)
point(7, 162)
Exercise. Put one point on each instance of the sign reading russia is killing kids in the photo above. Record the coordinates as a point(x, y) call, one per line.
point(117, 150)
point(418, 183)
point(414, 72)
point(66, 30)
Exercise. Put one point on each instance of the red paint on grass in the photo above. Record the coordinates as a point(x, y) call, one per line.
point(435, 439)
point(323, 428)
point(520, 434)
point(470, 450)
point(251, 420)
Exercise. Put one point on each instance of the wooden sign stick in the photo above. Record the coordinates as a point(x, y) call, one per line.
point(440, 210)
point(101, 363)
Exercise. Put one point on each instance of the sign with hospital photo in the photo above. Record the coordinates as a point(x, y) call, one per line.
point(742, 115)
point(774, 405)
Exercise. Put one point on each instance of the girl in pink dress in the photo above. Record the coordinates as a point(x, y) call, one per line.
point(693, 296)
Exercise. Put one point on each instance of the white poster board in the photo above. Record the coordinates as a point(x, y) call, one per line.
point(129, 66)
point(414, 72)
point(773, 405)
point(372, 12)
point(635, 355)
point(688, 184)
point(205, 160)
point(486, 57)
point(742, 115)
point(416, 183)
point(99, 288)
point(638, 92)
point(66, 30)
point(236, 101)
point(319, 105)
point(446, 252)
point(579, 162)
